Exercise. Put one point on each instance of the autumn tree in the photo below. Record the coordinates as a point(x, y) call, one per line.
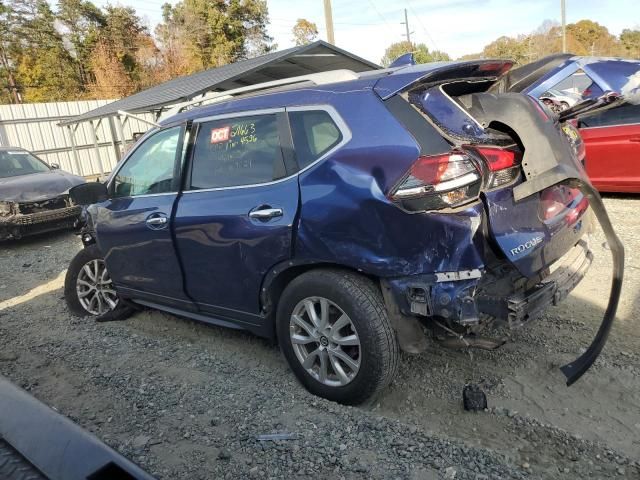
point(81, 22)
point(114, 62)
point(420, 52)
point(304, 32)
point(44, 67)
point(509, 48)
point(594, 38)
point(630, 43)
point(8, 87)
point(216, 33)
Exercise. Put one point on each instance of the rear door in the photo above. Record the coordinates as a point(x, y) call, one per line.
point(612, 139)
point(235, 218)
point(134, 226)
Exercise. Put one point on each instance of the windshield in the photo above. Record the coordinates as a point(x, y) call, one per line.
point(19, 162)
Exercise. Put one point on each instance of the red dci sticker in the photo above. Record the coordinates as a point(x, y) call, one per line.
point(220, 134)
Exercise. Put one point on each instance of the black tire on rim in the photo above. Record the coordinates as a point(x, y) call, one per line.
point(334, 331)
point(88, 290)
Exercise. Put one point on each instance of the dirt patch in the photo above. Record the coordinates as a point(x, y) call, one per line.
point(186, 400)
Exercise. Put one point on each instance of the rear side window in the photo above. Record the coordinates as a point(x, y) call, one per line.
point(622, 115)
point(237, 151)
point(314, 134)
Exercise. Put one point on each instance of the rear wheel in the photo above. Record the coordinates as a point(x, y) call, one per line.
point(334, 332)
point(88, 289)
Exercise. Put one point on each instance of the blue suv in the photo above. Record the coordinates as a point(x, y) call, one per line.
point(344, 215)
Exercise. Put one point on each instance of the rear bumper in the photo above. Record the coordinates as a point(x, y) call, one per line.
point(519, 308)
point(18, 225)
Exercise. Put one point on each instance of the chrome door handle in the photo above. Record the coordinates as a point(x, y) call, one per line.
point(266, 213)
point(157, 221)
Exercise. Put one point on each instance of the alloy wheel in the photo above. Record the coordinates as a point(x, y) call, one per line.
point(325, 341)
point(95, 288)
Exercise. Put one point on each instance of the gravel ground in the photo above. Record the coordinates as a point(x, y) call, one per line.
point(186, 400)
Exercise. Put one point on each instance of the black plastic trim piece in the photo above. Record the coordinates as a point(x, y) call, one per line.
point(56, 446)
point(574, 370)
point(427, 137)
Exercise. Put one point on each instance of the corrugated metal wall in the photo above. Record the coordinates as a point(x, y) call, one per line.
point(34, 127)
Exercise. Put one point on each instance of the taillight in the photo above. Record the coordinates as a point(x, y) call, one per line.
point(562, 202)
point(503, 164)
point(438, 181)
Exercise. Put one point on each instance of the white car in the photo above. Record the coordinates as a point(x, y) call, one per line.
point(561, 99)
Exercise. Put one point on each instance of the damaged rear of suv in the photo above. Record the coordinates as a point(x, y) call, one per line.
point(341, 213)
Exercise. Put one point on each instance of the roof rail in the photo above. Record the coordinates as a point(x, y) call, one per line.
point(321, 78)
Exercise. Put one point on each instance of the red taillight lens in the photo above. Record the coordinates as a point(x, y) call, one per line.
point(498, 159)
point(561, 201)
point(503, 164)
point(438, 181)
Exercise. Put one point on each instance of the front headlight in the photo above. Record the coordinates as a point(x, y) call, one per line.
point(6, 208)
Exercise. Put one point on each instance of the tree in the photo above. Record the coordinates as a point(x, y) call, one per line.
point(114, 62)
point(8, 87)
point(216, 33)
point(420, 52)
point(593, 37)
point(81, 21)
point(44, 68)
point(304, 32)
point(509, 48)
point(630, 43)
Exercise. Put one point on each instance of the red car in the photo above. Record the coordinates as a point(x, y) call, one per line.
point(612, 140)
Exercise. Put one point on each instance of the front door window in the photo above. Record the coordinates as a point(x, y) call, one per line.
point(150, 168)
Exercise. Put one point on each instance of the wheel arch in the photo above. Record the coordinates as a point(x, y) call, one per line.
point(283, 273)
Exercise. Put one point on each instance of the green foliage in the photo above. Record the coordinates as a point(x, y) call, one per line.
point(43, 67)
point(420, 52)
point(214, 33)
point(630, 43)
point(585, 37)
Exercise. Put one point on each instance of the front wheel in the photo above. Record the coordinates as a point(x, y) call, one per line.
point(88, 289)
point(334, 332)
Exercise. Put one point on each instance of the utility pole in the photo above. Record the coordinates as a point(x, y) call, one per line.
point(406, 26)
point(328, 20)
point(564, 26)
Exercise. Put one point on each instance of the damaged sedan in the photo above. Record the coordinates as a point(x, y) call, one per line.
point(33, 195)
point(342, 213)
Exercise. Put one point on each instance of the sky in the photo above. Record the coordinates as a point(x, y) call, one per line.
point(458, 27)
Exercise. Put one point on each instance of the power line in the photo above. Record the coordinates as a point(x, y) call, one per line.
point(381, 16)
point(422, 25)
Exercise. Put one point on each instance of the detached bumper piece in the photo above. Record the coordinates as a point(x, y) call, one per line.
point(519, 308)
point(41, 439)
point(20, 225)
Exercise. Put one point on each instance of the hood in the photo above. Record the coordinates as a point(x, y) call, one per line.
point(37, 186)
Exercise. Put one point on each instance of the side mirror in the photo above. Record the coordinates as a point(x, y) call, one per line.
point(88, 193)
point(55, 166)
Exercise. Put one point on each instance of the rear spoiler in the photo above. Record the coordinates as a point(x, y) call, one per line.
point(404, 78)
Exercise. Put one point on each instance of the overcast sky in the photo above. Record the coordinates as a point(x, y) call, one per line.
point(458, 27)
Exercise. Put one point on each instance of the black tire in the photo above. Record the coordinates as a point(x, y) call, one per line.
point(14, 466)
point(90, 252)
point(361, 299)
point(564, 106)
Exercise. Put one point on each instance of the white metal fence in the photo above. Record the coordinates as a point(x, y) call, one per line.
point(34, 127)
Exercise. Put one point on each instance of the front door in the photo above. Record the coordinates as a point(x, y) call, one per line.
point(134, 226)
point(235, 217)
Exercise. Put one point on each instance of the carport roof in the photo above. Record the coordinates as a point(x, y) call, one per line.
point(315, 57)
